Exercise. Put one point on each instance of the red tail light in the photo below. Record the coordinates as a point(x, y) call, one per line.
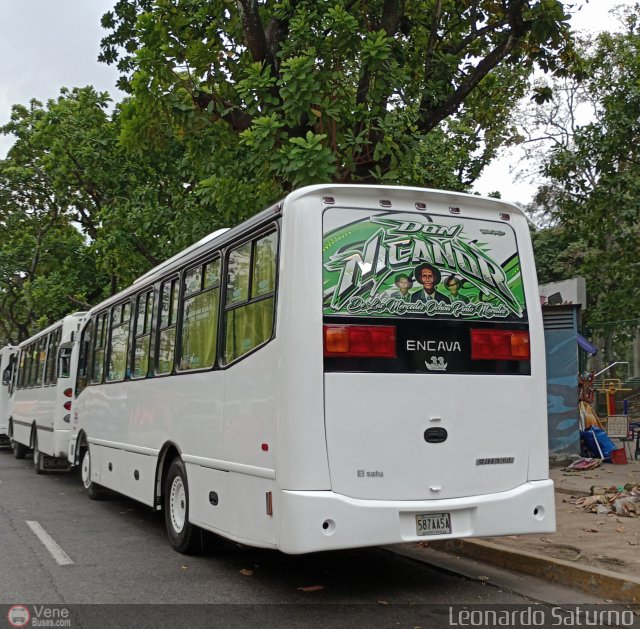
point(68, 392)
point(67, 406)
point(500, 345)
point(360, 341)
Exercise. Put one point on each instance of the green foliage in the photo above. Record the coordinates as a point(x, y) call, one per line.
point(593, 193)
point(308, 91)
point(231, 105)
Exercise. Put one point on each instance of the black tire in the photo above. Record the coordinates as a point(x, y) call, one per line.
point(185, 537)
point(19, 450)
point(94, 491)
point(38, 457)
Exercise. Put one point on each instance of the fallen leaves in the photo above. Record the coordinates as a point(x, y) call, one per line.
point(621, 501)
point(310, 588)
point(245, 572)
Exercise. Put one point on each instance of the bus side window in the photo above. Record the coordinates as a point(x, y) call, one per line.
point(249, 308)
point(118, 341)
point(50, 372)
point(9, 375)
point(198, 337)
point(97, 367)
point(84, 356)
point(142, 334)
point(33, 364)
point(64, 362)
point(167, 342)
point(41, 357)
point(22, 370)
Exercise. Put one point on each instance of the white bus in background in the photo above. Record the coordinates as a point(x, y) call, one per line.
point(8, 355)
point(40, 408)
point(353, 366)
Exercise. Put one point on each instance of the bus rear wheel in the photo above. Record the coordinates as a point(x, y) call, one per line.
point(19, 450)
point(94, 491)
point(38, 457)
point(184, 536)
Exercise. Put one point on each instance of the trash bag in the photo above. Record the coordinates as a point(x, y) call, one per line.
point(606, 445)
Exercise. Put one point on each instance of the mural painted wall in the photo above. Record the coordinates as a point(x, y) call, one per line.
point(561, 344)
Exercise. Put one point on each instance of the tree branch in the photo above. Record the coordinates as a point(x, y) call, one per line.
point(254, 32)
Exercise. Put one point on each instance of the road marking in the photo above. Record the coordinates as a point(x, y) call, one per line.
point(50, 544)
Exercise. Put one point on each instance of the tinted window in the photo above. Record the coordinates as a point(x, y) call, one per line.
point(250, 293)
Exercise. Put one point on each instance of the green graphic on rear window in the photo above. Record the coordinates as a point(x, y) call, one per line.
point(409, 265)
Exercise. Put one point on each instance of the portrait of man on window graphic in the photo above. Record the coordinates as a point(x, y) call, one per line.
point(453, 285)
point(429, 277)
point(403, 283)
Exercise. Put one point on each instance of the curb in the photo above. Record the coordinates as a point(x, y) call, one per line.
point(601, 583)
point(570, 492)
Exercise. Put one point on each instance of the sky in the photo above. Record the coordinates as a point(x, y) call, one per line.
point(49, 44)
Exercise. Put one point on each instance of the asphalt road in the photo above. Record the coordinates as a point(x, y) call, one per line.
point(117, 553)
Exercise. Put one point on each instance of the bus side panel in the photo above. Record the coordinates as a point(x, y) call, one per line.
point(138, 475)
point(184, 410)
point(111, 468)
point(538, 438)
point(302, 457)
point(253, 510)
point(210, 499)
point(250, 408)
point(34, 405)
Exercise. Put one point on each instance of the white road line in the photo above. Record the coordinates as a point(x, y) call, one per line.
point(50, 544)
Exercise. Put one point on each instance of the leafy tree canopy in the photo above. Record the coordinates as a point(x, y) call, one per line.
point(270, 94)
point(232, 104)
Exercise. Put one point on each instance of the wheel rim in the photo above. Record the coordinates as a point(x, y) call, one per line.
point(85, 470)
point(177, 504)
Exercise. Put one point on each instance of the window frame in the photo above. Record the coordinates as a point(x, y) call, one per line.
point(266, 230)
point(111, 310)
point(53, 343)
point(22, 361)
point(183, 296)
point(85, 353)
point(92, 351)
point(33, 364)
point(176, 277)
point(149, 293)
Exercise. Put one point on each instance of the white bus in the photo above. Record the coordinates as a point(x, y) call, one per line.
point(40, 407)
point(353, 366)
point(8, 356)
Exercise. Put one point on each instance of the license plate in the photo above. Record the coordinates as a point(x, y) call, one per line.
point(433, 524)
point(54, 463)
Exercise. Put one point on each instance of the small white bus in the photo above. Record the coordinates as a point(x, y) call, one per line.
point(40, 406)
point(8, 356)
point(353, 366)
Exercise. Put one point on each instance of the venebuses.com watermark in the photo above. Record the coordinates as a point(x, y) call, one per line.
point(38, 616)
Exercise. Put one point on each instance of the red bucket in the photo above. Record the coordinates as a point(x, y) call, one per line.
point(619, 457)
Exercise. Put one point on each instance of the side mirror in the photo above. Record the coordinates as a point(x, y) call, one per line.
point(64, 362)
point(6, 376)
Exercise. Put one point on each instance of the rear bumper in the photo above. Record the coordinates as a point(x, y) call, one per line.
point(322, 520)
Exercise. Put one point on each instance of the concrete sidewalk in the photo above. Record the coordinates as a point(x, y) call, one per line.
point(596, 553)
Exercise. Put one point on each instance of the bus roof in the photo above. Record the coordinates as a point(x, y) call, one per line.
point(53, 326)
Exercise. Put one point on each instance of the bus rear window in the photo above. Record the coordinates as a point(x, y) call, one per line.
point(410, 265)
